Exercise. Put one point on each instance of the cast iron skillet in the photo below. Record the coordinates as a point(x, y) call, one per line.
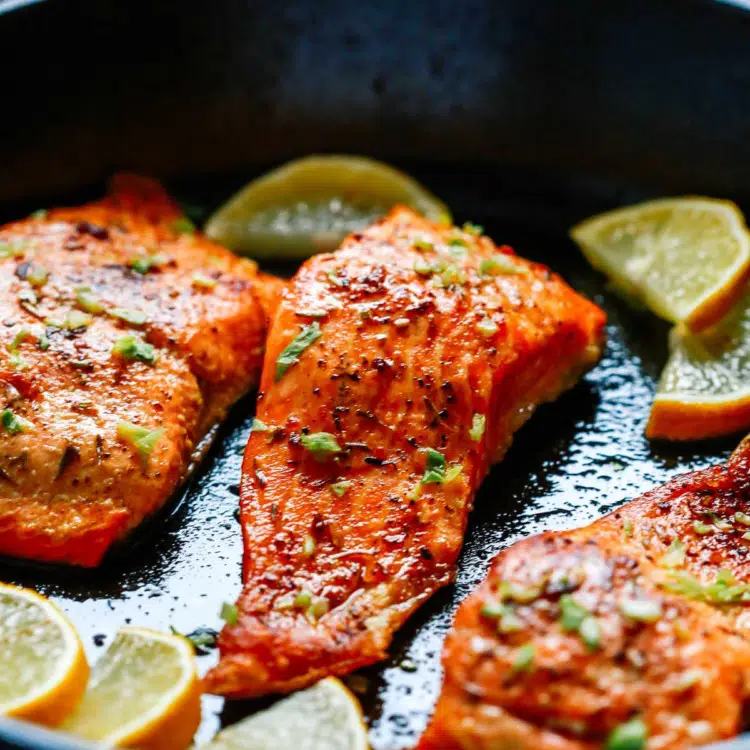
point(524, 116)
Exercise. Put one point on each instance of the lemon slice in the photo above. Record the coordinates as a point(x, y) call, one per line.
point(144, 692)
point(704, 390)
point(324, 717)
point(44, 669)
point(685, 258)
point(309, 205)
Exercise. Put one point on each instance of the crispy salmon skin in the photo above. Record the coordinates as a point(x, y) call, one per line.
point(396, 371)
point(634, 627)
point(126, 337)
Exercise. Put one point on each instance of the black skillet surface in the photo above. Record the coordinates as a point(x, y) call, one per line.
point(500, 109)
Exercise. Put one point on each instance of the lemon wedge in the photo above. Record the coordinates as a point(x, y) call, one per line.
point(324, 717)
point(144, 692)
point(686, 259)
point(704, 390)
point(44, 669)
point(309, 205)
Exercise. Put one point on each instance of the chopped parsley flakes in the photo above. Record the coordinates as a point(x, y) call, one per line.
point(88, 301)
point(12, 423)
point(134, 347)
point(141, 438)
point(229, 613)
point(501, 264)
point(631, 735)
point(340, 488)
point(129, 315)
point(322, 445)
point(478, 424)
point(434, 472)
point(291, 354)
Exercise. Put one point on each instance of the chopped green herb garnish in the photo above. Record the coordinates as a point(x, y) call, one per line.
point(505, 614)
point(675, 555)
point(40, 213)
point(572, 614)
point(492, 609)
point(77, 319)
point(129, 315)
point(37, 275)
point(303, 599)
point(434, 472)
point(452, 473)
point(308, 546)
point(724, 590)
point(703, 528)
point(142, 439)
point(203, 282)
point(259, 426)
point(719, 522)
point(524, 660)
point(501, 264)
point(575, 617)
point(183, 225)
point(88, 301)
point(11, 249)
point(641, 610)
point(631, 735)
point(590, 632)
point(229, 613)
point(423, 268)
point(518, 593)
point(340, 488)
point(451, 275)
point(742, 518)
point(457, 242)
point(423, 245)
point(470, 228)
point(134, 347)
point(627, 527)
point(487, 327)
point(44, 342)
point(478, 424)
point(322, 445)
point(19, 338)
point(144, 263)
point(12, 423)
point(291, 354)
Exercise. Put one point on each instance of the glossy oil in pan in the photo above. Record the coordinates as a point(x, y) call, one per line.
point(650, 98)
point(575, 460)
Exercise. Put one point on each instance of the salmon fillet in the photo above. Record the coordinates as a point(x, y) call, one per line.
point(636, 625)
point(397, 370)
point(125, 339)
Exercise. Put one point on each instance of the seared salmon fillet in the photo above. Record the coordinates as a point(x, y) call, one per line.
point(125, 339)
point(633, 627)
point(397, 370)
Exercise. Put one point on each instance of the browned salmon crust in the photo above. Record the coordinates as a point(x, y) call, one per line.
point(425, 348)
point(117, 317)
point(663, 586)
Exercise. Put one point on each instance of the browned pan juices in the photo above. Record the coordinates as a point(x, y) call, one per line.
point(575, 460)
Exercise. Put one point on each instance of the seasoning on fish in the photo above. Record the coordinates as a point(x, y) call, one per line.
point(422, 362)
point(113, 368)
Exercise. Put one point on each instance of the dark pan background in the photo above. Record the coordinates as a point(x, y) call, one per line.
point(524, 116)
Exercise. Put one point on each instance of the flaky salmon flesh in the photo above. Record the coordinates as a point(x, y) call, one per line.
point(126, 337)
point(634, 628)
point(397, 370)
